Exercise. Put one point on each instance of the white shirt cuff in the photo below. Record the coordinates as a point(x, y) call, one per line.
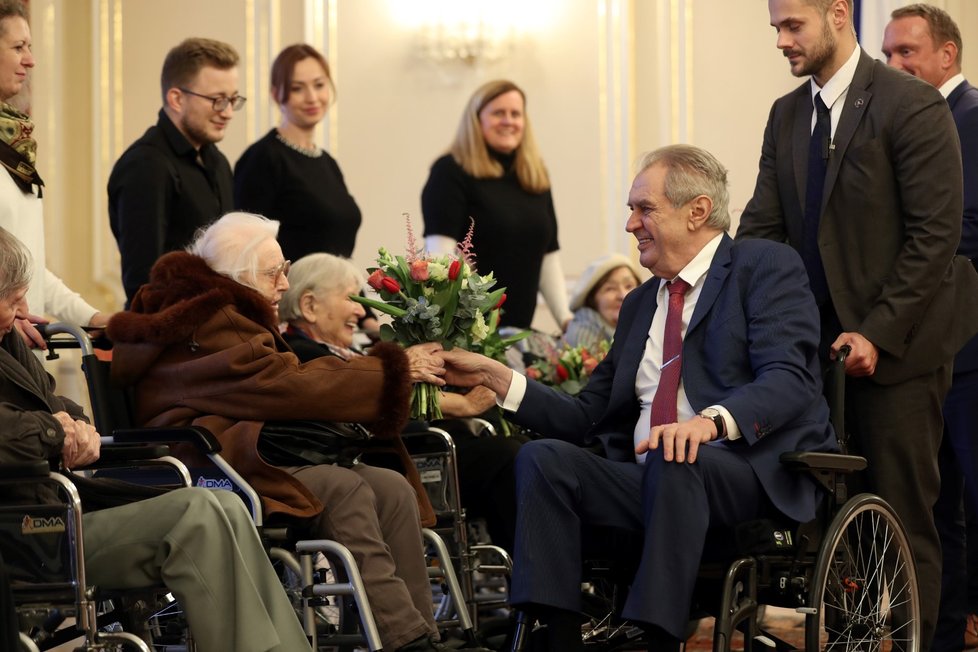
point(514, 397)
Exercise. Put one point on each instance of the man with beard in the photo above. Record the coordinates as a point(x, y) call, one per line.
point(860, 171)
point(174, 180)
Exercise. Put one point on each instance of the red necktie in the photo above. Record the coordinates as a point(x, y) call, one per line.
point(667, 393)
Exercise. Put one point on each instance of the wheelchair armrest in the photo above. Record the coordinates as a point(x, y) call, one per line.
point(813, 461)
point(114, 454)
point(200, 437)
point(25, 470)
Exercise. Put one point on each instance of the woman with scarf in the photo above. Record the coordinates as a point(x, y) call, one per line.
point(21, 210)
point(200, 345)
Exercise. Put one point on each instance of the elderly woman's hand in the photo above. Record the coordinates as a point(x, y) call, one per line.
point(472, 404)
point(426, 366)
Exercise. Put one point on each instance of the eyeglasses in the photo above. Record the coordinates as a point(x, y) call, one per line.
point(220, 102)
point(274, 272)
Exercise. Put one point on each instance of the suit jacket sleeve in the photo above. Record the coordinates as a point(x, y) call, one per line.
point(927, 177)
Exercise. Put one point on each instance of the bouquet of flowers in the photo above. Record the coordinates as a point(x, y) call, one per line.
point(569, 368)
point(437, 299)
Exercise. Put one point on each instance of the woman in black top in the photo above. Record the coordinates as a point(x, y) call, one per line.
point(286, 176)
point(494, 174)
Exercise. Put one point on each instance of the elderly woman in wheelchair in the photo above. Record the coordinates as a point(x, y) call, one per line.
point(201, 345)
point(202, 545)
point(322, 320)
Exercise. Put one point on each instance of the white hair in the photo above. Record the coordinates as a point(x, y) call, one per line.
point(230, 245)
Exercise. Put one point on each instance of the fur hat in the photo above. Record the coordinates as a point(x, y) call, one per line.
point(595, 272)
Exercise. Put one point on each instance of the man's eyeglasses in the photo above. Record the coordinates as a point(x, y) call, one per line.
point(220, 102)
point(274, 272)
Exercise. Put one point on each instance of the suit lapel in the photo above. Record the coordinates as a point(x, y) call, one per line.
point(638, 334)
point(856, 101)
point(717, 274)
point(800, 139)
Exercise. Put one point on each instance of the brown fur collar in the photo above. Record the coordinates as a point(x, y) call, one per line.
point(182, 293)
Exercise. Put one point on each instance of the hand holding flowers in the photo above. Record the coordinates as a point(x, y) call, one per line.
point(438, 299)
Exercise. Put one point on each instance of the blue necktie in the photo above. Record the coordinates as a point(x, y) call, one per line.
point(818, 162)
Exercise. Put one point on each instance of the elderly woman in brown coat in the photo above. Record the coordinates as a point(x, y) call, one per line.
point(201, 346)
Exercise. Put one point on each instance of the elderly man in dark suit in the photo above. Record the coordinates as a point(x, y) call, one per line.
point(924, 41)
point(712, 375)
point(860, 171)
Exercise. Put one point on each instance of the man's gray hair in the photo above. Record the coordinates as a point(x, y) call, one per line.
point(322, 274)
point(16, 265)
point(691, 172)
point(230, 245)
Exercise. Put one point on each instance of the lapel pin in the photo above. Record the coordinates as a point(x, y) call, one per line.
point(859, 102)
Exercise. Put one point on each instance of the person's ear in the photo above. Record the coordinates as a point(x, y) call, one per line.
point(949, 54)
point(699, 211)
point(175, 100)
point(307, 307)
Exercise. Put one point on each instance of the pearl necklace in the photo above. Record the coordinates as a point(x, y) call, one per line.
point(314, 152)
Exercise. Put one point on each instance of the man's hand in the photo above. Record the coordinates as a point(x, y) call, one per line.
point(32, 338)
point(467, 369)
point(680, 441)
point(863, 357)
point(82, 442)
point(426, 366)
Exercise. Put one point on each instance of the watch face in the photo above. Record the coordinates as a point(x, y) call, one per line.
point(710, 413)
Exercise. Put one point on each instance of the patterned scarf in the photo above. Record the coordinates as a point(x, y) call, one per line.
point(18, 150)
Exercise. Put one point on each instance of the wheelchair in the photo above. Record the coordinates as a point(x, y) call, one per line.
point(42, 542)
point(850, 572)
point(344, 623)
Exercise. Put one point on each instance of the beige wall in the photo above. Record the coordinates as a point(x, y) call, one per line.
point(605, 79)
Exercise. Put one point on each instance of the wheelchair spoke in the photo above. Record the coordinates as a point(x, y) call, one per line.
point(864, 588)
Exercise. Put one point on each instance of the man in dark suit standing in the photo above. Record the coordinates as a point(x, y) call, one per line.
point(860, 171)
point(713, 373)
point(924, 41)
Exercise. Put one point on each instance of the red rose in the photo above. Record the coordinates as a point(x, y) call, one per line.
point(562, 373)
point(454, 269)
point(419, 270)
point(502, 300)
point(390, 284)
point(375, 279)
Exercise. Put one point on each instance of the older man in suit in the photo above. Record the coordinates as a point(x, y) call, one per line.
point(712, 375)
point(924, 41)
point(860, 171)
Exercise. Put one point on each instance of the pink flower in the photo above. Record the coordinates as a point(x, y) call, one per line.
point(419, 270)
point(534, 373)
point(590, 364)
point(374, 280)
point(454, 269)
point(390, 284)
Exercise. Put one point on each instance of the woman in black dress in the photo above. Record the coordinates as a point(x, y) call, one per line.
point(285, 176)
point(493, 173)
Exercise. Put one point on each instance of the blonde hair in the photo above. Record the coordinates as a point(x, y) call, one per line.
point(470, 151)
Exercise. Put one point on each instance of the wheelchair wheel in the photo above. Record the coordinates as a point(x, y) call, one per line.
point(864, 590)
